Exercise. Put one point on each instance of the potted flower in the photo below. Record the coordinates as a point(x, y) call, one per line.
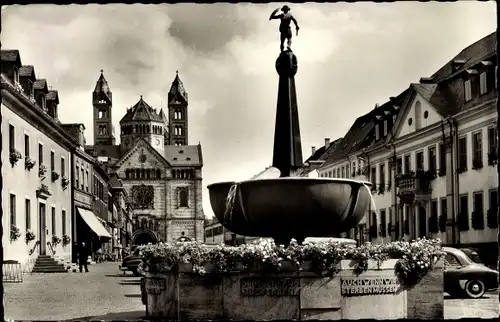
point(381, 189)
point(43, 192)
point(14, 233)
point(29, 163)
point(64, 182)
point(42, 169)
point(55, 240)
point(30, 235)
point(14, 156)
point(55, 176)
point(66, 240)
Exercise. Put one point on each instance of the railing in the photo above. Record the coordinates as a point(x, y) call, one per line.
point(51, 248)
point(34, 247)
point(12, 272)
point(415, 185)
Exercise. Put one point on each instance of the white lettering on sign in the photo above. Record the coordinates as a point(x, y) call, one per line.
point(358, 286)
point(154, 285)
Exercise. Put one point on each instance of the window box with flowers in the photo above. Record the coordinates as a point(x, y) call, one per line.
point(30, 236)
point(64, 182)
point(218, 275)
point(477, 164)
point(55, 176)
point(14, 156)
point(492, 219)
point(55, 240)
point(43, 192)
point(14, 233)
point(29, 163)
point(42, 169)
point(477, 220)
point(381, 188)
point(66, 240)
point(492, 159)
point(461, 169)
point(442, 172)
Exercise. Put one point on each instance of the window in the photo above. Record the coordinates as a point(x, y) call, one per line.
point(478, 202)
point(434, 208)
point(382, 175)
point(343, 172)
point(432, 158)
point(27, 213)
point(444, 206)
point(40, 153)
point(77, 177)
point(16, 75)
point(374, 176)
point(492, 140)
point(451, 260)
point(477, 147)
point(462, 153)
point(377, 131)
point(12, 139)
point(83, 179)
point(183, 198)
point(88, 182)
point(442, 158)
point(26, 145)
point(12, 209)
point(52, 161)
point(468, 90)
point(385, 127)
point(63, 167)
point(53, 220)
point(464, 209)
point(383, 223)
point(420, 160)
point(399, 166)
point(493, 200)
point(407, 164)
point(483, 86)
point(63, 222)
point(338, 172)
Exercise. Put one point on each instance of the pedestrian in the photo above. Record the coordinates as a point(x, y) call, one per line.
point(83, 256)
point(99, 255)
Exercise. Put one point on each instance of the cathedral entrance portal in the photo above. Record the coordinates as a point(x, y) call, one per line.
point(144, 236)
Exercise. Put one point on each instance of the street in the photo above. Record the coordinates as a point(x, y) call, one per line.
point(106, 294)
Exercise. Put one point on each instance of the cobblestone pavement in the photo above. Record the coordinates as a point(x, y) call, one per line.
point(103, 292)
point(486, 307)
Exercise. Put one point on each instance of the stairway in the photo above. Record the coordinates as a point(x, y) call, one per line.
point(46, 264)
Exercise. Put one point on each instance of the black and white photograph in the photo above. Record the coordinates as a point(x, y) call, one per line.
point(249, 161)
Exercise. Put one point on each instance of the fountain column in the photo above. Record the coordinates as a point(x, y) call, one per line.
point(287, 152)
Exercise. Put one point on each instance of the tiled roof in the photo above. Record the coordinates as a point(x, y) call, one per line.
point(185, 155)
point(53, 96)
point(10, 55)
point(177, 91)
point(27, 71)
point(321, 154)
point(469, 56)
point(163, 116)
point(112, 151)
point(40, 84)
point(436, 95)
point(141, 111)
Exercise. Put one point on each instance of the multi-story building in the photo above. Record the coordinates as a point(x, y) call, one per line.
point(36, 201)
point(430, 153)
point(160, 172)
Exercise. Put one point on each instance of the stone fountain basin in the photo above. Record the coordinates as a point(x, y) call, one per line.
point(292, 207)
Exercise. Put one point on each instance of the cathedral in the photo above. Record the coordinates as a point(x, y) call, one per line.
point(160, 172)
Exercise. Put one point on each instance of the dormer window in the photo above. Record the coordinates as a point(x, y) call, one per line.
point(468, 90)
point(385, 127)
point(31, 88)
point(16, 75)
point(44, 102)
point(377, 132)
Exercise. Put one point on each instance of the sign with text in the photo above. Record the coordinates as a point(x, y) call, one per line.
point(269, 286)
point(154, 285)
point(359, 286)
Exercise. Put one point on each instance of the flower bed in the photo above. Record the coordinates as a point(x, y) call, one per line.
point(414, 259)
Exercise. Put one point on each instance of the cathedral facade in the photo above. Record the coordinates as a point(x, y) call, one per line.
point(160, 171)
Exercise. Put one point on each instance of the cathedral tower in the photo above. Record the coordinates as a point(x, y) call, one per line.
point(177, 113)
point(102, 100)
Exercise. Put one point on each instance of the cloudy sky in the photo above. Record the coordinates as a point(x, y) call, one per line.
point(351, 56)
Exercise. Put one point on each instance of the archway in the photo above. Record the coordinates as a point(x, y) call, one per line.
point(144, 236)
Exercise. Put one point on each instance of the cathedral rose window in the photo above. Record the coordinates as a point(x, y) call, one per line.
point(143, 196)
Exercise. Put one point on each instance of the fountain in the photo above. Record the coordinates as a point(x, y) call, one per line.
point(289, 207)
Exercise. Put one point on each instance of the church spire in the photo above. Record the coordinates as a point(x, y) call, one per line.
point(102, 87)
point(177, 93)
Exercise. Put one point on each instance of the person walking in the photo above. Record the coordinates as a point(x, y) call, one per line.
point(83, 256)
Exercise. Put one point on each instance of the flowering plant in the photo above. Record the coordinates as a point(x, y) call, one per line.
point(14, 233)
point(14, 156)
point(30, 235)
point(29, 163)
point(42, 169)
point(55, 176)
point(55, 240)
point(415, 258)
point(66, 240)
point(64, 182)
point(44, 189)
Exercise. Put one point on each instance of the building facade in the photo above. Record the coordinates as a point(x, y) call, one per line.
point(36, 196)
point(160, 173)
point(430, 154)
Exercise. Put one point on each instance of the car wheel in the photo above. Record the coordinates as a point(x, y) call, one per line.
point(474, 289)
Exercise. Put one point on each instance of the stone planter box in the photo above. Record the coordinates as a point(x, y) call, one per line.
point(293, 294)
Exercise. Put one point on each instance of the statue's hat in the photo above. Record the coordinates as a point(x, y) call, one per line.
point(285, 8)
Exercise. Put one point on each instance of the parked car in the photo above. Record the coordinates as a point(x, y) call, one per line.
point(131, 263)
point(464, 277)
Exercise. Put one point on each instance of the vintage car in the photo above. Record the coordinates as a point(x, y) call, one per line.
point(131, 263)
point(464, 277)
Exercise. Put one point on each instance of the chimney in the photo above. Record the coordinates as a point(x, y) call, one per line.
point(327, 143)
point(313, 150)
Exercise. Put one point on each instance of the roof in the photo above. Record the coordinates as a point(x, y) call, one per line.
point(11, 56)
point(102, 85)
point(27, 71)
point(163, 116)
point(41, 84)
point(53, 96)
point(322, 153)
point(115, 182)
point(177, 93)
point(436, 95)
point(468, 57)
point(112, 151)
point(184, 155)
point(141, 111)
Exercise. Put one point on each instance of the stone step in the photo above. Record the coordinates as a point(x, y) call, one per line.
point(51, 265)
point(49, 270)
point(46, 260)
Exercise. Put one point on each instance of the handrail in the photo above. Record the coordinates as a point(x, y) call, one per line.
point(52, 249)
point(34, 247)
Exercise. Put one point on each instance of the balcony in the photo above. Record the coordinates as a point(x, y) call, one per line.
point(414, 187)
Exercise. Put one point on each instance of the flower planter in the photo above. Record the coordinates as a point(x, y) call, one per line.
point(294, 295)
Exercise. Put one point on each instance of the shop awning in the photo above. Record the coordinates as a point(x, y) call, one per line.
point(93, 223)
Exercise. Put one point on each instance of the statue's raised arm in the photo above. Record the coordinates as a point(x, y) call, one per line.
point(285, 28)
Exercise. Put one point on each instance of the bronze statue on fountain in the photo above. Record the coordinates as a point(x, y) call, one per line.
point(281, 206)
